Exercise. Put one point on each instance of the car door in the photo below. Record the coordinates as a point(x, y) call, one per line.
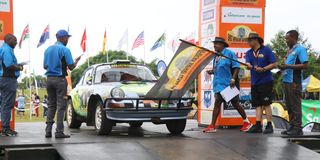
point(82, 92)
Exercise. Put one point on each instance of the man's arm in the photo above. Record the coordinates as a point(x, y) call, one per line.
point(74, 65)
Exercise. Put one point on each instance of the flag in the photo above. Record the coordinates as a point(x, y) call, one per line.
point(123, 40)
point(44, 36)
point(187, 63)
point(139, 40)
point(104, 42)
point(25, 35)
point(160, 42)
point(83, 43)
point(191, 38)
point(174, 43)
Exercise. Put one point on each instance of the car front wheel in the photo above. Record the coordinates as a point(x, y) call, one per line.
point(102, 125)
point(176, 126)
point(71, 117)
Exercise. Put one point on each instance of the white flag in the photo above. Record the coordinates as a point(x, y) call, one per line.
point(174, 43)
point(123, 40)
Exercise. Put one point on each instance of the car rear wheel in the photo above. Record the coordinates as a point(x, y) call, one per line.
point(102, 125)
point(135, 124)
point(71, 116)
point(176, 126)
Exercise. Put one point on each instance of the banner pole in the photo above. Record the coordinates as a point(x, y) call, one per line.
point(127, 44)
point(30, 87)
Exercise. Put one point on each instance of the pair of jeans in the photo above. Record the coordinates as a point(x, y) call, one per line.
point(292, 94)
point(8, 90)
point(57, 102)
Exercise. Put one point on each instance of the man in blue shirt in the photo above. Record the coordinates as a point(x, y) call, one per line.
point(9, 72)
point(225, 74)
point(260, 60)
point(57, 58)
point(295, 61)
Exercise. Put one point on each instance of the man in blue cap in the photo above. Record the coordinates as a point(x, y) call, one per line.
point(57, 58)
point(9, 72)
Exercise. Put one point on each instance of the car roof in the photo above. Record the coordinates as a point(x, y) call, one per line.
point(117, 62)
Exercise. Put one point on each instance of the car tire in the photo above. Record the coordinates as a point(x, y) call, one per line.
point(176, 126)
point(102, 125)
point(135, 124)
point(71, 116)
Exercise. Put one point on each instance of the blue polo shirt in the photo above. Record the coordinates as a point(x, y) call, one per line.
point(56, 59)
point(264, 57)
point(222, 72)
point(297, 55)
point(7, 59)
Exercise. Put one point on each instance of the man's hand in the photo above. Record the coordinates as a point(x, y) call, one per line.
point(78, 59)
point(249, 66)
point(232, 83)
point(20, 67)
point(210, 72)
point(259, 69)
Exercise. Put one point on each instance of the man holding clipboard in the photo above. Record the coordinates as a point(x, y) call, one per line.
point(225, 75)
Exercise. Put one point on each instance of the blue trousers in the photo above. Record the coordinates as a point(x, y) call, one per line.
point(8, 90)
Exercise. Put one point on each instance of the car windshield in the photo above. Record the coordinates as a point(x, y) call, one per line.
point(114, 73)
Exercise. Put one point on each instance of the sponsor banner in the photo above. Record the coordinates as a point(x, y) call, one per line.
point(207, 79)
point(310, 112)
point(207, 99)
point(207, 43)
point(248, 2)
point(1, 42)
point(240, 53)
point(228, 111)
point(1, 27)
point(208, 3)
point(208, 15)
point(185, 66)
point(208, 29)
point(4, 5)
point(241, 15)
point(206, 117)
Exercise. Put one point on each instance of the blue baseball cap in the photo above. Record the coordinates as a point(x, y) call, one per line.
point(62, 33)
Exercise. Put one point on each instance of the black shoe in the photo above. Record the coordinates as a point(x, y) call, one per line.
point(255, 129)
point(295, 132)
point(268, 129)
point(61, 135)
point(9, 133)
point(48, 134)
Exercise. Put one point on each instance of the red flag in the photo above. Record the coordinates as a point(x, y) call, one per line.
point(83, 43)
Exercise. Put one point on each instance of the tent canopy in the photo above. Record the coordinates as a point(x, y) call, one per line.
point(311, 84)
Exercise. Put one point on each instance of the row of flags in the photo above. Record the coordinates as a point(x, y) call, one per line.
point(139, 41)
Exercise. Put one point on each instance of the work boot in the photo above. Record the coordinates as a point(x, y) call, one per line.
point(286, 131)
point(295, 132)
point(48, 134)
point(255, 129)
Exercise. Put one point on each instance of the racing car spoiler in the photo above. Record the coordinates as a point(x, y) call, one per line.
point(180, 105)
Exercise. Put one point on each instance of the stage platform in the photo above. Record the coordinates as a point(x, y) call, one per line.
point(154, 142)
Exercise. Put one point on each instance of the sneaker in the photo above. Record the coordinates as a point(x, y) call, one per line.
point(210, 129)
point(61, 135)
point(48, 135)
point(286, 131)
point(255, 129)
point(268, 129)
point(9, 133)
point(246, 126)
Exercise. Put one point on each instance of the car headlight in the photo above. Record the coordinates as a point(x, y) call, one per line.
point(117, 93)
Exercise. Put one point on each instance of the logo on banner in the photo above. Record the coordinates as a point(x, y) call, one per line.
point(208, 29)
point(242, 15)
point(208, 2)
point(239, 34)
point(208, 15)
point(244, 1)
point(4, 5)
point(207, 98)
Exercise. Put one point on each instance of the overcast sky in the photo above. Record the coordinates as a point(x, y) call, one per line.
point(152, 16)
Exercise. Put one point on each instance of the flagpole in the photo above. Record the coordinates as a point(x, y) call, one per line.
point(164, 45)
point(144, 47)
point(30, 92)
point(127, 44)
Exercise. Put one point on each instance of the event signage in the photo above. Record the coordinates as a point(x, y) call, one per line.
point(241, 15)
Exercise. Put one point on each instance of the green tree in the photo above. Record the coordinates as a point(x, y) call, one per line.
point(279, 46)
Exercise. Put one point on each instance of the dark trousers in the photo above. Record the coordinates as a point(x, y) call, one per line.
point(57, 102)
point(8, 89)
point(292, 93)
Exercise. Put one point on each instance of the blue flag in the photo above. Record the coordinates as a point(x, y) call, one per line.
point(44, 36)
point(161, 41)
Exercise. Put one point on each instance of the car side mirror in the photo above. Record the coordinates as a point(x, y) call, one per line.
point(89, 80)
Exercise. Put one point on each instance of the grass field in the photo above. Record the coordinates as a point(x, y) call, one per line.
point(26, 117)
